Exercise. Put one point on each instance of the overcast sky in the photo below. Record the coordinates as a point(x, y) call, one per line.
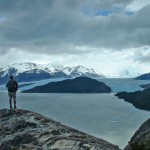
point(111, 36)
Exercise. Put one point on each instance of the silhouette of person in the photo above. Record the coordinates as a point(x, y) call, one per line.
point(12, 86)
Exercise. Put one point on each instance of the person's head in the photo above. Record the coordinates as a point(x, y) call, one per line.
point(11, 77)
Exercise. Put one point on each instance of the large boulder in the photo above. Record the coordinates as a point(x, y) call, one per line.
point(21, 129)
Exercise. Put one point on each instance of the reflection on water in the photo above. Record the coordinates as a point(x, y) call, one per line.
point(102, 115)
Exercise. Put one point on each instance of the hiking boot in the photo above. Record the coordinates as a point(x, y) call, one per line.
point(15, 107)
point(10, 107)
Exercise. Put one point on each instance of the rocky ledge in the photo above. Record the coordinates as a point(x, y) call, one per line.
point(26, 130)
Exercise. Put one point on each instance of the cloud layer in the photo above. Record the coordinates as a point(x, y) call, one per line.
point(61, 25)
point(74, 27)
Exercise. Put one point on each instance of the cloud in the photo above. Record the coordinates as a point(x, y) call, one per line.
point(74, 29)
point(143, 55)
point(59, 26)
point(137, 5)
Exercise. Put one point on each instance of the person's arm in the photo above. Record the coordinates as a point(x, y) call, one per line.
point(7, 84)
point(16, 85)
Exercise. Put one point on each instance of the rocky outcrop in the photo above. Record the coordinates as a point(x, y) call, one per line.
point(77, 85)
point(141, 139)
point(21, 129)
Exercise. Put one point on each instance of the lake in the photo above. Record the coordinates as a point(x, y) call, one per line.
point(116, 84)
point(102, 115)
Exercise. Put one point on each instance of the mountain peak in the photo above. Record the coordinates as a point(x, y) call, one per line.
point(79, 66)
point(24, 66)
point(28, 71)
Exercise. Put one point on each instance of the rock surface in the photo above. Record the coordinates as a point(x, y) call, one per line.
point(141, 139)
point(77, 85)
point(26, 130)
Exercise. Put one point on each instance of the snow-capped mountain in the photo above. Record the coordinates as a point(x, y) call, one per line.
point(28, 72)
point(81, 71)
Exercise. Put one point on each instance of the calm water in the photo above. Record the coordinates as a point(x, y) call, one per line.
point(102, 115)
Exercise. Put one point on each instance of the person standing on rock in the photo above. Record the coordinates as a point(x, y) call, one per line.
point(12, 86)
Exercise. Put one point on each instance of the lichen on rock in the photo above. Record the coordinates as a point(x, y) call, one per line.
point(21, 129)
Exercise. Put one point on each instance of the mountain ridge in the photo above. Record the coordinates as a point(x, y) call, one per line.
point(28, 72)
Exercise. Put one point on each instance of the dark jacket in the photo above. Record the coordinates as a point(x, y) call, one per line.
point(12, 85)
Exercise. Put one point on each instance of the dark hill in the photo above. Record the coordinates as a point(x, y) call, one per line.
point(145, 86)
point(145, 76)
point(77, 85)
point(140, 99)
